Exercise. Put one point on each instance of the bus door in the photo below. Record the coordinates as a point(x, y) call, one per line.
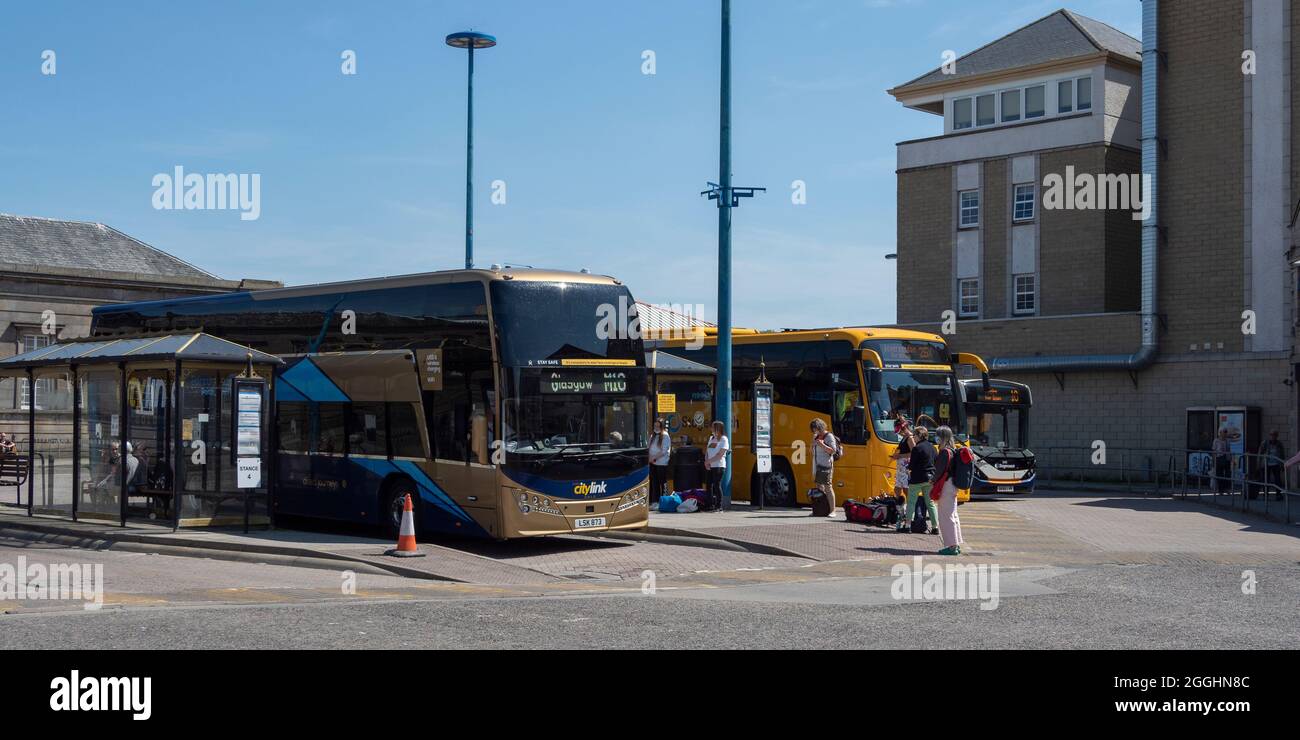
point(460, 415)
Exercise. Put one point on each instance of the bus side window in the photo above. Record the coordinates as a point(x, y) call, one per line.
point(292, 420)
point(447, 415)
point(403, 431)
point(367, 430)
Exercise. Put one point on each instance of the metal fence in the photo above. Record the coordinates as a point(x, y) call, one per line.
point(1248, 482)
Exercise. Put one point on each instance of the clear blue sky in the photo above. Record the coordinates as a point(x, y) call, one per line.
point(364, 175)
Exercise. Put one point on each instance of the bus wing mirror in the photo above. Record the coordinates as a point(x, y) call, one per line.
point(875, 381)
point(988, 384)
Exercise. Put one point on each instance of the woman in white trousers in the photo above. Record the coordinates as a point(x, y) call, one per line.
point(949, 523)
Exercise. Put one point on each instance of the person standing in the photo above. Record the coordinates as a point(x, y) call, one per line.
point(1222, 462)
point(825, 450)
point(715, 460)
point(1273, 453)
point(945, 492)
point(906, 441)
point(661, 450)
point(920, 466)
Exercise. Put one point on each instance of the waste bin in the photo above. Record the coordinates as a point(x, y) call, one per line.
point(687, 465)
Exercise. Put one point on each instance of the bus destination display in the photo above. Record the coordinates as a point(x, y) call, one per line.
point(906, 351)
point(576, 383)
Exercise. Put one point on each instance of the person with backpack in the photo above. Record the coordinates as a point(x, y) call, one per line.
point(920, 466)
point(826, 450)
point(949, 467)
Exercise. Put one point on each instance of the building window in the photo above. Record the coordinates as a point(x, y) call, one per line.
point(1065, 96)
point(29, 343)
point(969, 291)
point(1010, 106)
point(1026, 294)
point(1035, 102)
point(1024, 203)
point(984, 114)
point(970, 208)
point(961, 114)
point(1084, 89)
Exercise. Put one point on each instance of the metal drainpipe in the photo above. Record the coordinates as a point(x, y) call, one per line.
point(1146, 352)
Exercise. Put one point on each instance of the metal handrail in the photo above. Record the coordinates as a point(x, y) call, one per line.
point(1251, 477)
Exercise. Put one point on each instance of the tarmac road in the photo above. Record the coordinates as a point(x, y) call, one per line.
point(180, 603)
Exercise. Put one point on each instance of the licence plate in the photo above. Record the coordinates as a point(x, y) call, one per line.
point(596, 521)
point(1006, 489)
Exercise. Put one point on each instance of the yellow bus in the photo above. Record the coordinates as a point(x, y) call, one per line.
point(854, 378)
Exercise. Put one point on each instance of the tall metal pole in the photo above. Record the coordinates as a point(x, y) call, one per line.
point(469, 168)
point(724, 249)
point(470, 40)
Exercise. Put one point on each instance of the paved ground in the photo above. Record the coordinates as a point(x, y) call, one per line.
point(1074, 571)
point(1113, 607)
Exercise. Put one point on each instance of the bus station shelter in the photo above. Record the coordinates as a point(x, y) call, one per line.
point(192, 411)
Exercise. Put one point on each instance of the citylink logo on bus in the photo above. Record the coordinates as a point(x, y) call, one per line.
point(589, 489)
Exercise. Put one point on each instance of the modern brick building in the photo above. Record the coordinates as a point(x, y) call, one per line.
point(1119, 325)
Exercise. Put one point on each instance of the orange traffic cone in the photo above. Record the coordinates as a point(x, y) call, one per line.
point(406, 547)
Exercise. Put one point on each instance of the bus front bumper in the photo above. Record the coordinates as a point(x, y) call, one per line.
point(1013, 486)
point(535, 515)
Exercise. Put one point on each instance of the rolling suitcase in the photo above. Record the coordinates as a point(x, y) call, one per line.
point(822, 505)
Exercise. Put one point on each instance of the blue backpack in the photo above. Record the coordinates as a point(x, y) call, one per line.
point(668, 504)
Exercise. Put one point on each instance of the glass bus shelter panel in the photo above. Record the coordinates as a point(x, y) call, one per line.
point(13, 422)
point(149, 491)
point(101, 408)
point(52, 462)
point(209, 483)
point(200, 410)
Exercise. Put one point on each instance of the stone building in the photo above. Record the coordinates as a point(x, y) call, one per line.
point(53, 272)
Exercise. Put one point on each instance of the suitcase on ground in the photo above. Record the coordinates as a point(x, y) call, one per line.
point(821, 503)
point(702, 498)
point(893, 510)
point(919, 523)
point(859, 513)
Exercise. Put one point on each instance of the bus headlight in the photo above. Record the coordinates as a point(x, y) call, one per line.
point(635, 497)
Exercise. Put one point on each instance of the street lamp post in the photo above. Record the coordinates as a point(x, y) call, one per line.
point(728, 197)
point(471, 41)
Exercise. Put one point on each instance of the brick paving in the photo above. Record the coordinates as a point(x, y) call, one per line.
point(1133, 524)
point(836, 541)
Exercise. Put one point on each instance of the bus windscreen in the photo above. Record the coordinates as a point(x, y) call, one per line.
point(925, 398)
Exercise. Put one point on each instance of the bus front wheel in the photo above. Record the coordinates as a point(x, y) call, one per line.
point(391, 504)
point(780, 488)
